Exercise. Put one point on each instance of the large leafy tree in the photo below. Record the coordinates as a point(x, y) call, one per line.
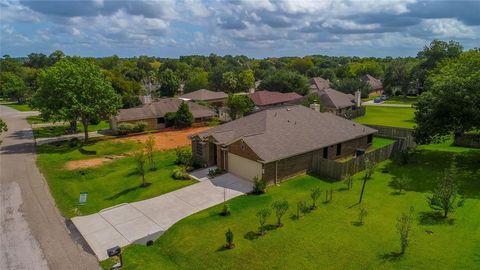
point(433, 54)
point(397, 77)
point(351, 85)
point(246, 80)
point(75, 88)
point(239, 105)
point(12, 86)
point(285, 81)
point(451, 103)
point(169, 83)
point(198, 80)
point(229, 81)
point(302, 65)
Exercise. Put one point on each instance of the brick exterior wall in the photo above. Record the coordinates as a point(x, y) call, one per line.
point(302, 163)
point(280, 169)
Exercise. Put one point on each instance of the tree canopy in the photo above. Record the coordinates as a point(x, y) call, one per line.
point(75, 88)
point(451, 102)
point(169, 83)
point(285, 81)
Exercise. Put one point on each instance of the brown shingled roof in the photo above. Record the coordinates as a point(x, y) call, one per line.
point(160, 108)
point(277, 133)
point(373, 82)
point(318, 83)
point(332, 98)
point(264, 98)
point(204, 95)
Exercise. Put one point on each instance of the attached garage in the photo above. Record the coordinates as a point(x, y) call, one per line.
point(244, 167)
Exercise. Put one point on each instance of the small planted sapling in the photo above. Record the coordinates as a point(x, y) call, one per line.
point(280, 208)
point(314, 194)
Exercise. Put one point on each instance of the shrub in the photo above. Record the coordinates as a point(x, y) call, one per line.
point(184, 156)
point(73, 142)
point(348, 181)
point(401, 183)
point(127, 128)
point(180, 173)
point(124, 128)
point(259, 185)
point(229, 239)
point(215, 172)
point(404, 226)
point(225, 210)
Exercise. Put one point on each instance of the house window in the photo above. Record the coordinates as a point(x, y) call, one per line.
point(161, 120)
point(369, 138)
point(325, 152)
point(339, 149)
point(199, 148)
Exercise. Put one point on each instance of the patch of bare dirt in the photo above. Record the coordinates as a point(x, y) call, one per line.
point(88, 163)
point(168, 139)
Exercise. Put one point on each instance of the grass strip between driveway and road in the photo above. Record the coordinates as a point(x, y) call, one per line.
point(107, 184)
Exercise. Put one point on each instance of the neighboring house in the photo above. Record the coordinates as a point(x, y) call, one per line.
point(266, 99)
point(377, 87)
point(217, 99)
point(279, 142)
point(334, 101)
point(154, 113)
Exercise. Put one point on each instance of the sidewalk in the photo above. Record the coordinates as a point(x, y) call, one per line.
point(80, 136)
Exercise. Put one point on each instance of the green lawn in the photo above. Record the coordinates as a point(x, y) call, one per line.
point(35, 120)
point(328, 238)
point(112, 183)
point(54, 131)
point(388, 116)
point(379, 142)
point(18, 107)
point(401, 100)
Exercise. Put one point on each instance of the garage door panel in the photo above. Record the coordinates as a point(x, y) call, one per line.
point(244, 167)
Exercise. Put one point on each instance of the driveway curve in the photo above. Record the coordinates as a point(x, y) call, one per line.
point(33, 234)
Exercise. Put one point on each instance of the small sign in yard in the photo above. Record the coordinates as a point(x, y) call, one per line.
point(83, 198)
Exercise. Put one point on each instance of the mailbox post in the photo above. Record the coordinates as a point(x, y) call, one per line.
point(115, 251)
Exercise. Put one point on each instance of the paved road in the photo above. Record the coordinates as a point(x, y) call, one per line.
point(33, 234)
point(146, 220)
point(372, 103)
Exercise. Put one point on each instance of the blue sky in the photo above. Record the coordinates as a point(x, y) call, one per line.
point(255, 28)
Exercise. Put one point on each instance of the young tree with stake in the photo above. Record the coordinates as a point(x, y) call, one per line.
point(149, 151)
point(369, 169)
point(444, 196)
point(280, 208)
point(404, 226)
point(314, 194)
point(229, 239)
point(140, 159)
point(262, 216)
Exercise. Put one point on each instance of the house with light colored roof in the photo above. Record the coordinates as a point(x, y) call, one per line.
point(217, 99)
point(279, 142)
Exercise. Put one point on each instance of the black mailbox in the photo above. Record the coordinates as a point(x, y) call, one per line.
point(114, 251)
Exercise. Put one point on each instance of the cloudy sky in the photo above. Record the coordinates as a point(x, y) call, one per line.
point(256, 28)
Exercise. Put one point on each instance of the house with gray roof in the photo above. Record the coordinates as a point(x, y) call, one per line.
point(279, 142)
point(153, 114)
point(217, 99)
point(332, 100)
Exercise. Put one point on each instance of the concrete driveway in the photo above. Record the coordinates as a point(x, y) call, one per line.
point(146, 220)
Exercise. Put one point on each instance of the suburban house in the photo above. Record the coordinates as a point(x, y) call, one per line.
point(279, 142)
point(266, 99)
point(217, 99)
point(377, 87)
point(331, 100)
point(154, 113)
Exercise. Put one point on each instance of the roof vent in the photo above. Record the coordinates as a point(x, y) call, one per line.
point(288, 109)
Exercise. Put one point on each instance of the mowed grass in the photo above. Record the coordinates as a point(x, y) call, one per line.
point(35, 119)
point(388, 116)
point(18, 107)
point(55, 131)
point(110, 184)
point(408, 100)
point(379, 142)
point(329, 238)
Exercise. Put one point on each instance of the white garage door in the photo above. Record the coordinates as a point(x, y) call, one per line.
point(243, 167)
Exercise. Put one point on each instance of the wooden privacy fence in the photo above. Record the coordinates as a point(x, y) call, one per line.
point(338, 170)
point(392, 132)
point(468, 140)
